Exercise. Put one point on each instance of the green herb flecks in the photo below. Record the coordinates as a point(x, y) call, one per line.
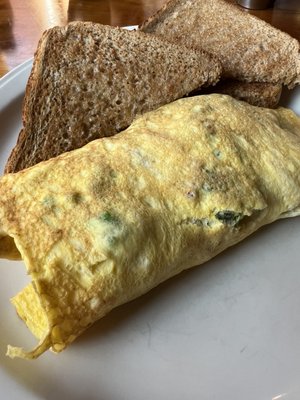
point(112, 174)
point(112, 240)
point(206, 187)
point(228, 217)
point(217, 154)
point(109, 218)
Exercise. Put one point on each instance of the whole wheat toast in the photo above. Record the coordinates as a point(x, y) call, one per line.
point(250, 49)
point(255, 93)
point(89, 80)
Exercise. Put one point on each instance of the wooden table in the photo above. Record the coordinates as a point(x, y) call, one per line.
point(23, 21)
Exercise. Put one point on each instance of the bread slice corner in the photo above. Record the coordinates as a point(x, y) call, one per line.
point(91, 80)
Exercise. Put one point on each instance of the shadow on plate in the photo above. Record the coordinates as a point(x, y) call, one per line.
point(290, 99)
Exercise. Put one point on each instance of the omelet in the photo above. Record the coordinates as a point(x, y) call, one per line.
point(101, 225)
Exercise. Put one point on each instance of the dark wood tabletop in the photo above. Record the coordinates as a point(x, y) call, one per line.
point(23, 21)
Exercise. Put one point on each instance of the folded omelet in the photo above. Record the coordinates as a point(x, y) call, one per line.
point(101, 225)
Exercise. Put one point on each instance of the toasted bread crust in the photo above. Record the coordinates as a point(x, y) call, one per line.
point(90, 80)
point(250, 49)
point(255, 93)
point(16, 156)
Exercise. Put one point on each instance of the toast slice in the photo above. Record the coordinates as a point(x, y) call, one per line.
point(255, 93)
point(89, 80)
point(250, 49)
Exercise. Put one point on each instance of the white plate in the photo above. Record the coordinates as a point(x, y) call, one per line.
point(227, 330)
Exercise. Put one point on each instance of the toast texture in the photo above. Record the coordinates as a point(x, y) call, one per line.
point(250, 49)
point(89, 80)
point(255, 93)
